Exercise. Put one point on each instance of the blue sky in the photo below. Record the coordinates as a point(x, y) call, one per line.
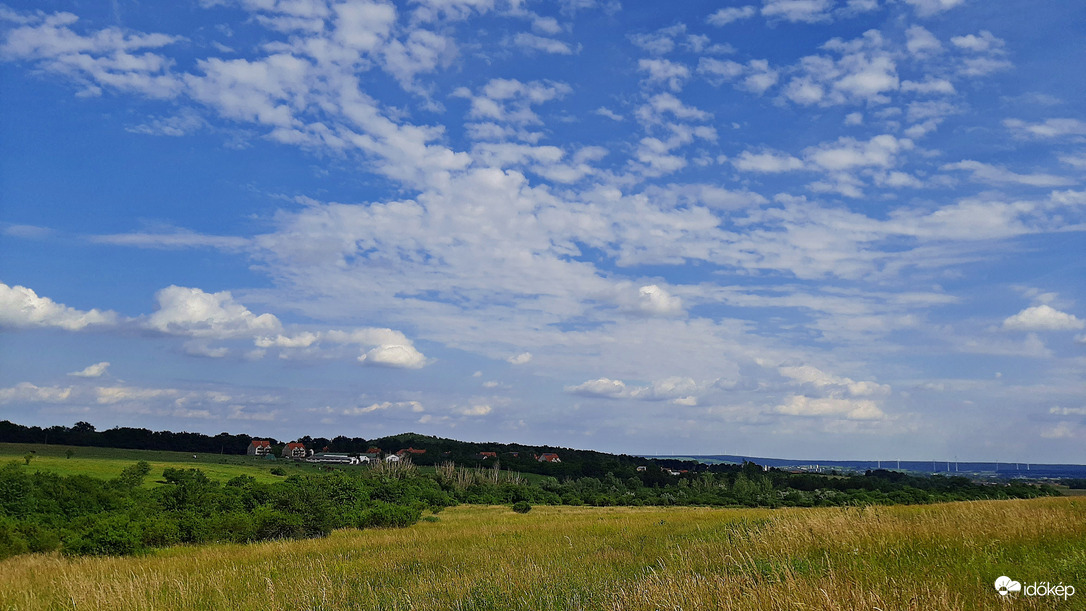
point(817, 228)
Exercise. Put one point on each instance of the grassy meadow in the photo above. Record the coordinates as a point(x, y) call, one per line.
point(107, 463)
point(943, 556)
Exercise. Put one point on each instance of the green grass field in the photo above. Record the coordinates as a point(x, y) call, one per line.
point(932, 557)
point(107, 463)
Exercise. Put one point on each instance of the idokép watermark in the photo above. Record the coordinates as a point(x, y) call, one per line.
point(1007, 586)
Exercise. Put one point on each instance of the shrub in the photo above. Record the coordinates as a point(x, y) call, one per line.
point(103, 536)
point(522, 507)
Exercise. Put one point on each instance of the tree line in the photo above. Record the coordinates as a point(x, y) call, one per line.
point(81, 515)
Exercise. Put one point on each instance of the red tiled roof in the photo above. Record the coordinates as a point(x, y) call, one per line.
point(291, 446)
point(261, 443)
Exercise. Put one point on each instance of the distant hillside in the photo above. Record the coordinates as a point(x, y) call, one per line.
point(517, 457)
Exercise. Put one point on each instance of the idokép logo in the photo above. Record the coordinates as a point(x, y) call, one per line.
point(1006, 586)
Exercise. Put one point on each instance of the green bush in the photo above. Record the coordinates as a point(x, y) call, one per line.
point(103, 536)
point(522, 507)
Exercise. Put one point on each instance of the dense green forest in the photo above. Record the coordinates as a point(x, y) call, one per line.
point(80, 515)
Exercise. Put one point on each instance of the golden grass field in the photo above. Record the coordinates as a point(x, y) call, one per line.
point(944, 556)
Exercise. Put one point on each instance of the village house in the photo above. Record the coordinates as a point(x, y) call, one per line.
point(549, 457)
point(406, 452)
point(486, 455)
point(259, 447)
point(294, 450)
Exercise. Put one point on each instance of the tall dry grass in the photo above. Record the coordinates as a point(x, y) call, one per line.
point(480, 558)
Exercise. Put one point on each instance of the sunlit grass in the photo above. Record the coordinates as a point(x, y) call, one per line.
point(107, 463)
point(474, 558)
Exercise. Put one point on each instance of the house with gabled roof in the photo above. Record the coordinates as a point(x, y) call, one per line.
point(259, 447)
point(549, 457)
point(294, 450)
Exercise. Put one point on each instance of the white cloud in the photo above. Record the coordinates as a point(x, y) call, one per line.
point(109, 395)
point(927, 8)
point(96, 370)
point(25, 392)
point(852, 409)
point(602, 387)
point(929, 86)
point(192, 312)
point(22, 307)
point(805, 11)
point(978, 43)
point(991, 174)
point(728, 15)
point(817, 378)
point(107, 58)
point(921, 42)
point(760, 77)
point(663, 71)
point(610, 114)
point(510, 100)
point(1062, 430)
point(848, 153)
point(478, 409)
point(520, 359)
point(394, 355)
point(652, 299)
point(413, 406)
point(532, 42)
point(768, 162)
point(1068, 411)
point(1043, 318)
point(1049, 128)
point(717, 71)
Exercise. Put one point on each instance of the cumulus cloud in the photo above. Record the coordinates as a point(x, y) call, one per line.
point(22, 307)
point(192, 312)
point(601, 387)
point(108, 58)
point(728, 15)
point(927, 8)
point(804, 11)
point(817, 378)
point(652, 299)
point(96, 370)
point(394, 355)
point(521, 358)
point(921, 42)
point(478, 409)
point(1043, 318)
point(25, 392)
point(852, 409)
point(767, 162)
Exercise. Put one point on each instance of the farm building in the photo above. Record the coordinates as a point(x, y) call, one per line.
point(338, 459)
